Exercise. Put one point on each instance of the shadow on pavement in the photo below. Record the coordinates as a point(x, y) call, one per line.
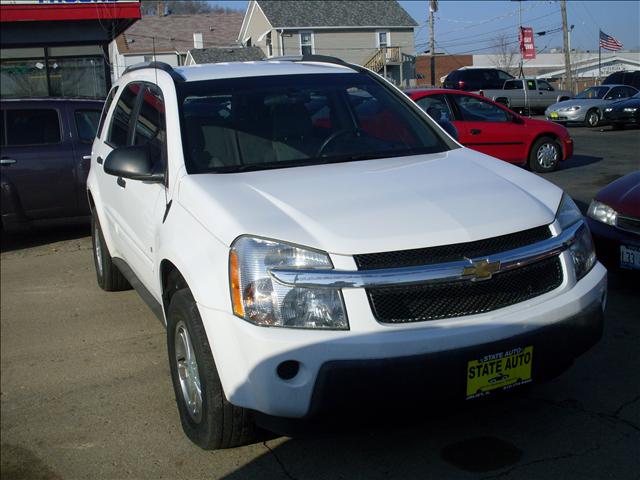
point(38, 236)
point(579, 161)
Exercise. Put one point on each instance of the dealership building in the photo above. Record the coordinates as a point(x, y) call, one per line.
point(59, 48)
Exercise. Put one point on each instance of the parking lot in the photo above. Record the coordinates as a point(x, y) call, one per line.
point(86, 390)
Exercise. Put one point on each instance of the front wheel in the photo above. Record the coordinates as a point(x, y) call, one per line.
point(207, 417)
point(592, 119)
point(545, 155)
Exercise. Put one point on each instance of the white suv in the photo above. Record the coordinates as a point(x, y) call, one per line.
point(310, 237)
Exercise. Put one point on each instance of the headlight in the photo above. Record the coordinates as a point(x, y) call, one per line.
point(630, 109)
point(258, 298)
point(575, 108)
point(608, 109)
point(602, 212)
point(582, 252)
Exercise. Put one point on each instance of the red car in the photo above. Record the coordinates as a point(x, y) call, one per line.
point(491, 128)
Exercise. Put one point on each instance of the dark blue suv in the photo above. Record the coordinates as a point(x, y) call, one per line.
point(45, 148)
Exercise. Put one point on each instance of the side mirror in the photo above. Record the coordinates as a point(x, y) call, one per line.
point(132, 162)
point(517, 119)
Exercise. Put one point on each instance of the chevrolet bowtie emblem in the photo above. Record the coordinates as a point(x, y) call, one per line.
point(481, 269)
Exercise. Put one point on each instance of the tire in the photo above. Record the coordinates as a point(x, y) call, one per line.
point(211, 422)
point(544, 155)
point(109, 277)
point(592, 119)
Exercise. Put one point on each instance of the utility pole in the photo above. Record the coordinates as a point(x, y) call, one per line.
point(566, 46)
point(433, 8)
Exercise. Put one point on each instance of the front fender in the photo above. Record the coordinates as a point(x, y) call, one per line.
point(201, 258)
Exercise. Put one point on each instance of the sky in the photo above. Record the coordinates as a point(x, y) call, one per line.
point(472, 26)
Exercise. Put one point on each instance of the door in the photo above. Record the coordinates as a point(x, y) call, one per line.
point(37, 162)
point(84, 124)
point(547, 93)
point(138, 207)
point(484, 126)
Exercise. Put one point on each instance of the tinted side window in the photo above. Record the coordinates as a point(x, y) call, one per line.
point(3, 135)
point(615, 93)
point(542, 85)
point(504, 76)
point(119, 130)
point(473, 109)
point(33, 127)
point(630, 92)
point(86, 124)
point(105, 109)
point(513, 85)
point(150, 124)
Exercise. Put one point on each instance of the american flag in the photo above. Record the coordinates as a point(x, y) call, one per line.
point(609, 43)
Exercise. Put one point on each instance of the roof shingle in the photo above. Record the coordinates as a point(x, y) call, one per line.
point(175, 32)
point(218, 55)
point(336, 13)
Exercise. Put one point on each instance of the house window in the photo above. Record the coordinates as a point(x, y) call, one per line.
point(383, 39)
point(269, 45)
point(306, 43)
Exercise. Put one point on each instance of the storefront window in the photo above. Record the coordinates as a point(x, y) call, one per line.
point(77, 77)
point(23, 78)
point(72, 72)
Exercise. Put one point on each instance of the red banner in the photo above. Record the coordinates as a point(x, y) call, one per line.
point(527, 48)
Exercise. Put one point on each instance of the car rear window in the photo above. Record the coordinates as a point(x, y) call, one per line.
point(293, 120)
point(32, 127)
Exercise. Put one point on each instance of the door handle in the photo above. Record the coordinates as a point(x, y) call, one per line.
point(86, 157)
point(7, 161)
point(99, 160)
point(121, 182)
point(475, 131)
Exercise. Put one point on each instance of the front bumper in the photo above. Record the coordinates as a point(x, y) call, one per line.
point(248, 356)
point(622, 117)
point(576, 116)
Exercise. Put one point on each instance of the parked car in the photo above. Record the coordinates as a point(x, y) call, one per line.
point(44, 158)
point(493, 129)
point(473, 79)
point(614, 219)
point(537, 95)
point(587, 106)
point(623, 112)
point(310, 237)
point(631, 78)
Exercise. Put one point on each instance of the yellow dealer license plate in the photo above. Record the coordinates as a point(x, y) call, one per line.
point(499, 371)
point(554, 115)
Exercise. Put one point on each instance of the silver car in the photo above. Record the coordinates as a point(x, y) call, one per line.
point(587, 106)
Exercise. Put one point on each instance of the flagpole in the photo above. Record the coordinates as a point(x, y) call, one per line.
point(599, 56)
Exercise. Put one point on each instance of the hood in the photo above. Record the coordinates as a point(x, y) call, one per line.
point(577, 101)
point(560, 130)
point(374, 205)
point(624, 103)
point(623, 195)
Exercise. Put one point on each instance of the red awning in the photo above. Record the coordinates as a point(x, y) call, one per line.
point(54, 11)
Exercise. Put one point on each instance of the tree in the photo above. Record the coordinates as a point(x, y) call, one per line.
point(505, 58)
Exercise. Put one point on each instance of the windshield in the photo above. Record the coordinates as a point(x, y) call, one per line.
point(593, 92)
point(256, 123)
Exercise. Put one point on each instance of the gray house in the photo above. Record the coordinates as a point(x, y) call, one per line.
point(377, 34)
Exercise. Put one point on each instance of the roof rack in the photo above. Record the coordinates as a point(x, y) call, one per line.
point(165, 67)
point(317, 58)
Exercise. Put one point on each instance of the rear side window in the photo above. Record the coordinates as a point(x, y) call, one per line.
point(121, 120)
point(150, 126)
point(105, 109)
point(513, 85)
point(32, 127)
point(86, 124)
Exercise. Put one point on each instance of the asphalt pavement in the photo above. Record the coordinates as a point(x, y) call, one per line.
point(86, 390)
